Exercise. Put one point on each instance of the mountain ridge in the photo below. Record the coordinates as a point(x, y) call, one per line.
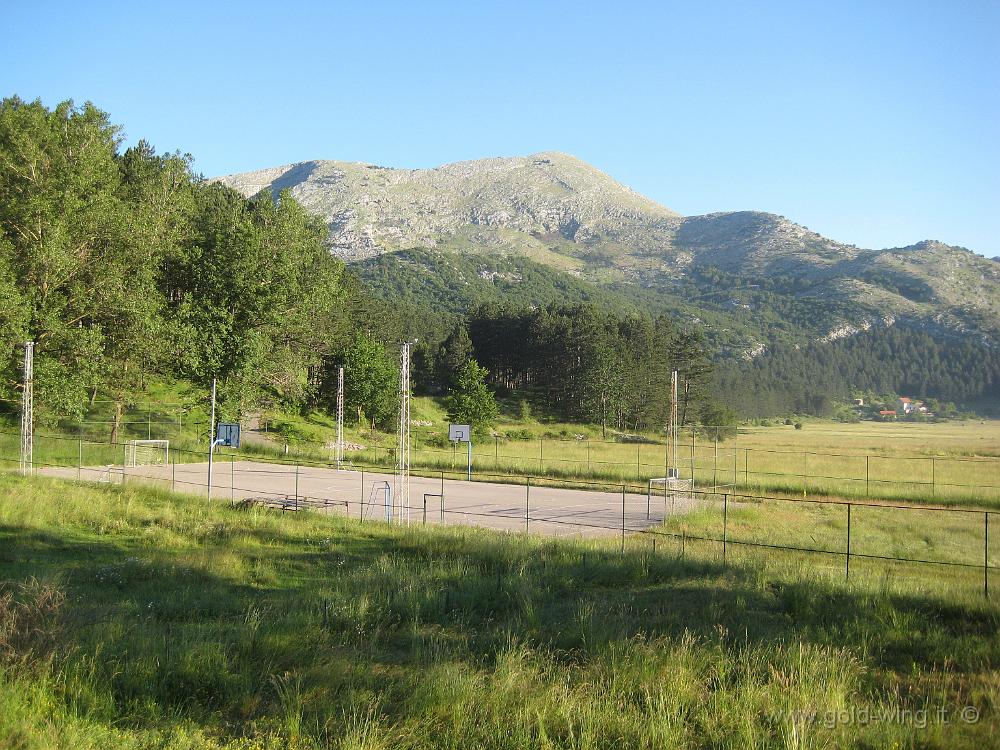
point(561, 212)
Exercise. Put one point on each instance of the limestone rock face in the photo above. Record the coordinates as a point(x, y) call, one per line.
point(557, 210)
point(372, 209)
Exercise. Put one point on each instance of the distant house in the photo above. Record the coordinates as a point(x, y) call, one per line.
point(887, 415)
point(908, 406)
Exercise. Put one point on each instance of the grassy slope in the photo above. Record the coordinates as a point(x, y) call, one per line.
point(161, 621)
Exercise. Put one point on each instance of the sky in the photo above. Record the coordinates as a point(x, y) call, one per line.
point(876, 124)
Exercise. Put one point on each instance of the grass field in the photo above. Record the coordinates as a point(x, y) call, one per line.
point(945, 463)
point(132, 618)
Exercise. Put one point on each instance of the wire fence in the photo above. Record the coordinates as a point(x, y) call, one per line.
point(699, 455)
point(710, 463)
point(947, 547)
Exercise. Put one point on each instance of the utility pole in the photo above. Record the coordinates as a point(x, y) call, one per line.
point(211, 441)
point(27, 410)
point(340, 418)
point(672, 427)
point(403, 466)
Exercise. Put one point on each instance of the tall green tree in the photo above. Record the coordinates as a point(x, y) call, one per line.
point(469, 400)
point(87, 284)
point(255, 297)
point(371, 382)
point(453, 355)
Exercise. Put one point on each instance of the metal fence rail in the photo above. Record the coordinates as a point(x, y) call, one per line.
point(711, 463)
point(552, 506)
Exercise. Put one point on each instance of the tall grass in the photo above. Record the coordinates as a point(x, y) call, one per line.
point(175, 623)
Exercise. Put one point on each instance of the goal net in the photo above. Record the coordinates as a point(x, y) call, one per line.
point(147, 452)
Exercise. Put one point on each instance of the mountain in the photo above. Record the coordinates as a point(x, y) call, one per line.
point(750, 279)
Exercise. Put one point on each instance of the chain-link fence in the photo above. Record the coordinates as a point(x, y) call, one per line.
point(937, 545)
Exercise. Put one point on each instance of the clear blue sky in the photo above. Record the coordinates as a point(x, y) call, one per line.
point(872, 123)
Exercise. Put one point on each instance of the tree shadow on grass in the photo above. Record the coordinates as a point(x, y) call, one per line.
point(207, 627)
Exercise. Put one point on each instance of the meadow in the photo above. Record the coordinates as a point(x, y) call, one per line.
point(948, 463)
point(136, 618)
point(955, 462)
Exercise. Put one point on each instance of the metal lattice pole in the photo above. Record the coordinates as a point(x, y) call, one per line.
point(340, 418)
point(672, 426)
point(403, 466)
point(27, 410)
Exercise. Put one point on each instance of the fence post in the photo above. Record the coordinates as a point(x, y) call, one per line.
point(527, 495)
point(725, 526)
point(232, 478)
point(296, 485)
point(173, 472)
point(623, 520)
point(589, 470)
point(496, 452)
point(694, 453)
point(736, 463)
point(442, 497)
point(79, 464)
point(867, 491)
point(637, 474)
point(649, 491)
point(933, 478)
point(986, 554)
point(361, 502)
point(425, 509)
point(715, 464)
point(848, 576)
point(541, 449)
point(746, 468)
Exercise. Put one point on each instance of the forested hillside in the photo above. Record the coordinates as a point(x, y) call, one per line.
point(899, 360)
point(767, 294)
point(124, 266)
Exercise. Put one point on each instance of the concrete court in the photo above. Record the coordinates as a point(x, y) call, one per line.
point(550, 511)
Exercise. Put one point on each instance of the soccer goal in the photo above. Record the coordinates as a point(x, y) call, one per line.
point(147, 452)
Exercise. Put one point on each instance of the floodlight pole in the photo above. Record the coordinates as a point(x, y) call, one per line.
point(340, 418)
point(211, 441)
point(672, 425)
point(403, 467)
point(27, 410)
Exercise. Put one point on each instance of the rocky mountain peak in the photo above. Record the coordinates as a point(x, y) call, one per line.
point(558, 210)
point(372, 209)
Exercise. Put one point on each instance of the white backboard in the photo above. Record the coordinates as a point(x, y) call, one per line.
point(459, 433)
